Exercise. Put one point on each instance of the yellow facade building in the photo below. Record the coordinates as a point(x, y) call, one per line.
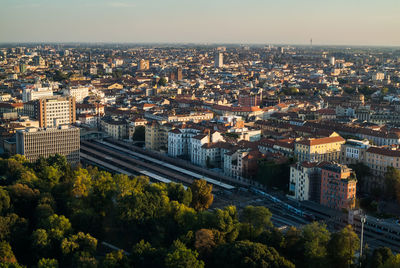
point(317, 150)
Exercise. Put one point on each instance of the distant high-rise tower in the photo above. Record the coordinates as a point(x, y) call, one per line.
point(219, 60)
point(332, 60)
point(311, 42)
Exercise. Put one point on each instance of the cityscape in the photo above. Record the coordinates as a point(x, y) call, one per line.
point(187, 153)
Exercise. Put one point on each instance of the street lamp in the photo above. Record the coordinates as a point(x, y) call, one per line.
point(363, 219)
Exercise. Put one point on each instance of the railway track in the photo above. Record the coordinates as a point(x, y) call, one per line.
point(135, 164)
point(130, 163)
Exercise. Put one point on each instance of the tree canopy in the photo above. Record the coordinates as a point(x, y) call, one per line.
point(53, 215)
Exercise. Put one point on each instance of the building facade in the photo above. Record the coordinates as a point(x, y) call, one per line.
point(322, 149)
point(37, 142)
point(78, 92)
point(305, 181)
point(157, 136)
point(52, 112)
point(338, 186)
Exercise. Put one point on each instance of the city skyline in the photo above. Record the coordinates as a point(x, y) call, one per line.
point(176, 21)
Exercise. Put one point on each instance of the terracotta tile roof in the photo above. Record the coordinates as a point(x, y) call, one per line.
point(312, 142)
point(383, 151)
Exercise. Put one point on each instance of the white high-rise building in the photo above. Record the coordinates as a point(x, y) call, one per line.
point(332, 60)
point(219, 60)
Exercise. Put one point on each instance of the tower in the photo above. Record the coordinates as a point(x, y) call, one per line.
point(219, 60)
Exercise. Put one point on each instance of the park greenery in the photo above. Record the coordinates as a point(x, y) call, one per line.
point(53, 215)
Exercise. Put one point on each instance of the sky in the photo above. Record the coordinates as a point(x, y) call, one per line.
point(327, 22)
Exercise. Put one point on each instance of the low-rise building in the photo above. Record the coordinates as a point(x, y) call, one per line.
point(115, 127)
point(321, 149)
point(157, 136)
point(78, 92)
point(353, 151)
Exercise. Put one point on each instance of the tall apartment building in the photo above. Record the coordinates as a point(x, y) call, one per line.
point(328, 183)
point(322, 149)
point(51, 112)
point(219, 60)
point(338, 186)
point(36, 142)
point(305, 181)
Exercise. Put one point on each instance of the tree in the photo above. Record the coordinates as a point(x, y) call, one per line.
point(40, 241)
point(177, 192)
point(4, 200)
point(79, 242)
point(380, 256)
point(292, 245)
point(162, 82)
point(82, 183)
point(85, 260)
point(139, 134)
point(182, 257)
point(392, 180)
point(362, 171)
point(144, 255)
point(248, 254)
point(23, 198)
point(103, 190)
point(58, 161)
point(202, 196)
point(126, 186)
point(258, 219)
point(116, 259)
point(225, 221)
point(392, 262)
point(47, 263)
point(49, 177)
point(204, 241)
point(56, 226)
point(315, 238)
point(342, 247)
point(6, 253)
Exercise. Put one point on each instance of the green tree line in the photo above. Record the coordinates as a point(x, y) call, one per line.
point(53, 215)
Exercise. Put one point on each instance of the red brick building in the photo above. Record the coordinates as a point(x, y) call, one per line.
point(338, 186)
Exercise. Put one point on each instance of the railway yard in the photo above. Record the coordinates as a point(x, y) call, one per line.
point(115, 157)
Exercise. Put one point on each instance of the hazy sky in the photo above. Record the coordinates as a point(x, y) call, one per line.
point(349, 22)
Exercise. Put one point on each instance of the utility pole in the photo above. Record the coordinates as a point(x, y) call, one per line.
point(363, 219)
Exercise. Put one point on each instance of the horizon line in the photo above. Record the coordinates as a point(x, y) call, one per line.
point(196, 43)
